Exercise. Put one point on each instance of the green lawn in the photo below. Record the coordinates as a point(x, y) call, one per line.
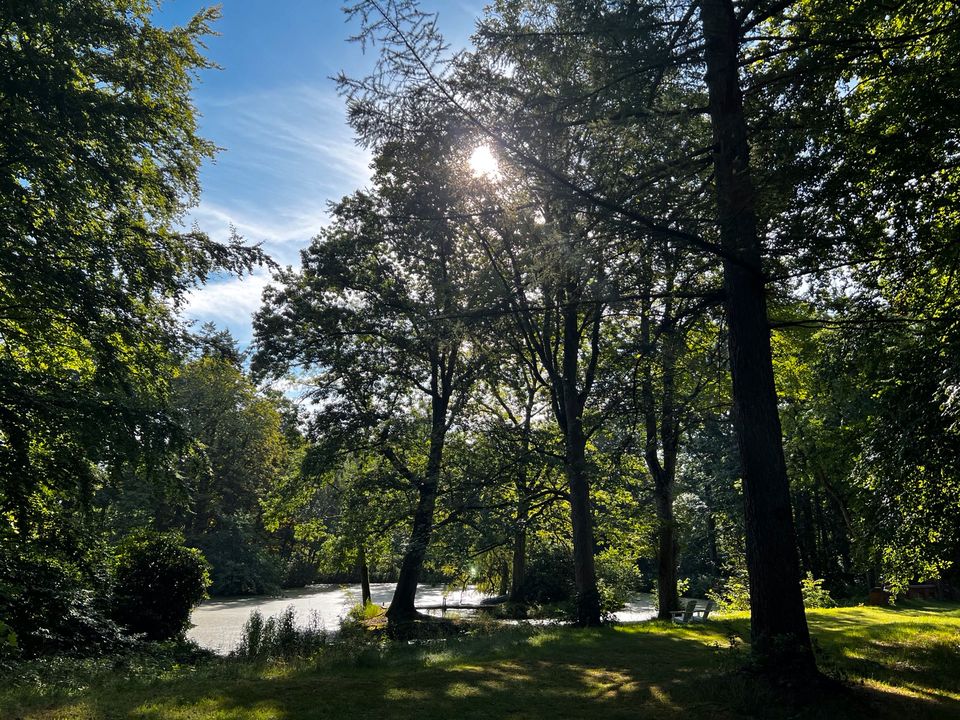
point(898, 663)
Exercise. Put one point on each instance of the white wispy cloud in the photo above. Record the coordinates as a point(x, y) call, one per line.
point(282, 233)
point(291, 135)
point(287, 152)
point(228, 302)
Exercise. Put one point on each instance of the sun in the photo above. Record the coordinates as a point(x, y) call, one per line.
point(483, 163)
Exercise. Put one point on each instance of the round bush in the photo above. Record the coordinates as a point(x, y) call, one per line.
point(158, 581)
point(52, 606)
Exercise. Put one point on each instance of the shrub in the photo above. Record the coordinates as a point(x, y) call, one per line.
point(733, 594)
point(355, 626)
point(62, 675)
point(49, 606)
point(814, 594)
point(279, 636)
point(617, 579)
point(158, 581)
point(363, 611)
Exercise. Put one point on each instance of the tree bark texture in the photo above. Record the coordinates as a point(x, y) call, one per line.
point(578, 479)
point(402, 606)
point(668, 599)
point(581, 518)
point(365, 594)
point(662, 442)
point(518, 572)
point(779, 631)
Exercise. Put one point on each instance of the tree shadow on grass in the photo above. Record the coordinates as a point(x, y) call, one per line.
point(645, 672)
point(931, 667)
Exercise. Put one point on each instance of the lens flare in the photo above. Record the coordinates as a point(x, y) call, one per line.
point(483, 164)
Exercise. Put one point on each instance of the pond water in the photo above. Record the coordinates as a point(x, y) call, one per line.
point(218, 623)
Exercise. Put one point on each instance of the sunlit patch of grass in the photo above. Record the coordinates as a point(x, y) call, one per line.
point(912, 651)
point(658, 694)
point(898, 661)
point(609, 684)
point(75, 710)
point(542, 638)
point(408, 694)
point(463, 690)
point(439, 658)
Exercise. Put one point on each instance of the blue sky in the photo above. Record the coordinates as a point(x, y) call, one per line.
point(286, 148)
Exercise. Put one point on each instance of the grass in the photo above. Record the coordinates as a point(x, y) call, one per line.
point(897, 662)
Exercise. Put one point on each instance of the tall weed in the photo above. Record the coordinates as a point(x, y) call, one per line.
point(281, 636)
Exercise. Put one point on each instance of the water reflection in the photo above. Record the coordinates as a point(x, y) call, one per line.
point(218, 623)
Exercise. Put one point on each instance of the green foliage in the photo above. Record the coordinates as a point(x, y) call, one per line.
point(240, 450)
point(872, 184)
point(732, 594)
point(68, 676)
point(875, 454)
point(100, 159)
point(906, 658)
point(240, 562)
point(243, 453)
point(298, 571)
point(8, 638)
point(360, 612)
point(281, 636)
point(549, 577)
point(48, 606)
point(814, 594)
point(617, 579)
point(907, 478)
point(158, 581)
point(709, 507)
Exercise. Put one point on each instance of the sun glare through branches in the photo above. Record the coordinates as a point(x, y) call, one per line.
point(483, 163)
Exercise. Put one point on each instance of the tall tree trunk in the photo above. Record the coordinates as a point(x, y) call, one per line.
point(712, 551)
point(779, 633)
point(581, 518)
point(365, 596)
point(578, 479)
point(402, 606)
point(667, 595)
point(662, 437)
point(519, 565)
